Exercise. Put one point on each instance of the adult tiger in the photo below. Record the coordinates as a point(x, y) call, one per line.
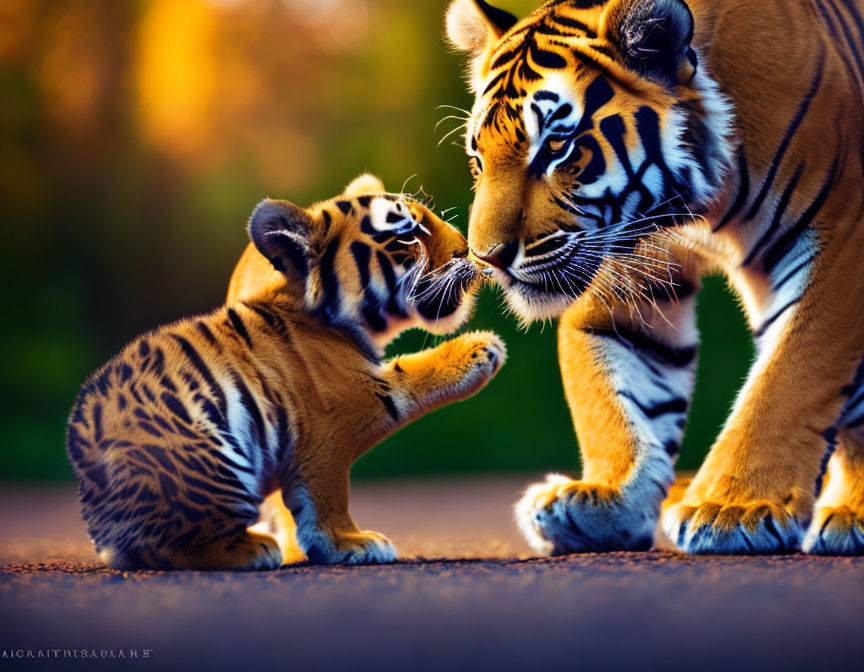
point(624, 148)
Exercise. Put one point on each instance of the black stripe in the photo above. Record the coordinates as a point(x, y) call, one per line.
point(361, 254)
point(743, 191)
point(239, 326)
point(856, 423)
point(252, 409)
point(576, 25)
point(371, 312)
point(850, 39)
point(503, 59)
point(205, 332)
point(674, 356)
point(549, 245)
point(389, 405)
point(678, 405)
point(97, 422)
point(787, 138)
point(781, 247)
point(771, 320)
point(828, 21)
point(196, 361)
point(272, 320)
point(329, 281)
point(778, 216)
point(174, 405)
point(791, 274)
point(386, 270)
point(856, 18)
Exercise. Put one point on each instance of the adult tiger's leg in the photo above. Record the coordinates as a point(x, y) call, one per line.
point(755, 491)
point(837, 527)
point(628, 376)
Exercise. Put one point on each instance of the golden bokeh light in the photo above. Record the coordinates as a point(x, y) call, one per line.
point(176, 74)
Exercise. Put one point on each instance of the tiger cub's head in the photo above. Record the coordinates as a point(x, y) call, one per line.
point(595, 124)
point(370, 261)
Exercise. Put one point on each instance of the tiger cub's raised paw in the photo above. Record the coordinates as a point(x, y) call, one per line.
point(354, 548)
point(732, 529)
point(835, 531)
point(484, 355)
point(563, 516)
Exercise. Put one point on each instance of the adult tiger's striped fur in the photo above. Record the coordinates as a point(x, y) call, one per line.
point(624, 148)
point(178, 439)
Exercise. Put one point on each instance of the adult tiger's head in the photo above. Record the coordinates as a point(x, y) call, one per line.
point(369, 261)
point(594, 126)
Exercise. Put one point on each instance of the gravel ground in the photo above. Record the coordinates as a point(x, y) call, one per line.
point(488, 605)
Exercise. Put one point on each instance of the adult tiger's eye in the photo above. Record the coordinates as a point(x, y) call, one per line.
point(555, 145)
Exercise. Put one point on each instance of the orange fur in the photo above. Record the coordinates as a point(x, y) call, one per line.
point(764, 104)
point(179, 440)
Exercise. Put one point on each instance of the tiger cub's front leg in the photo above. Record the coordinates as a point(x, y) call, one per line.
point(408, 387)
point(628, 376)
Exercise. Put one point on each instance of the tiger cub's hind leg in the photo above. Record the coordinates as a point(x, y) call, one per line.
point(837, 527)
point(244, 551)
point(277, 521)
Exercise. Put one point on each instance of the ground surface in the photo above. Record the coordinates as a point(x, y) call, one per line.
point(494, 607)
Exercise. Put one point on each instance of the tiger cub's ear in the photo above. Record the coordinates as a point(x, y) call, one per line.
point(476, 26)
point(280, 231)
point(653, 37)
point(364, 184)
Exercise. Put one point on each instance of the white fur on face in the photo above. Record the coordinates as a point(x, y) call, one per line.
point(383, 209)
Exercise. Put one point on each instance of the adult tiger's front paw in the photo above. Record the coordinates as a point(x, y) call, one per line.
point(835, 531)
point(563, 516)
point(760, 527)
point(354, 548)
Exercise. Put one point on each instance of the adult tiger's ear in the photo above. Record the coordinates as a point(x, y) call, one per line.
point(475, 26)
point(653, 37)
point(280, 231)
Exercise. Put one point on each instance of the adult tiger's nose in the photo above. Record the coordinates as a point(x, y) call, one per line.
point(499, 255)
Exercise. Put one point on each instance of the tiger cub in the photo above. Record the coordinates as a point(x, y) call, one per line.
point(178, 439)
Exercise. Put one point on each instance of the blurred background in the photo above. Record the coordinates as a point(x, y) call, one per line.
point(137, 135)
